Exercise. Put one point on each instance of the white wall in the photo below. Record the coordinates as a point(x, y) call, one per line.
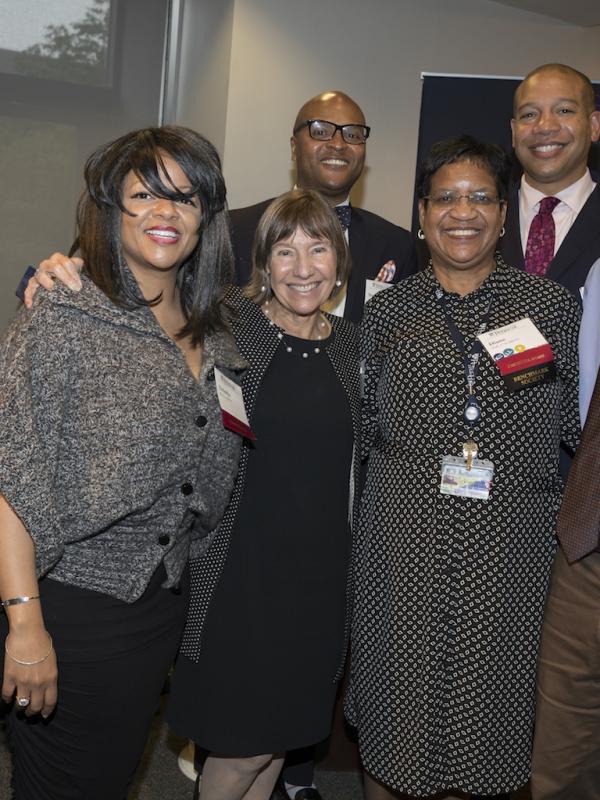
point(285, 51)
point(204, 62)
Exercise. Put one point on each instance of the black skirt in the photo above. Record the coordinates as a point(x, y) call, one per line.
point(113, 658)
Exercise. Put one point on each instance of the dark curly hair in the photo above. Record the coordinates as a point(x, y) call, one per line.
point(490, 157)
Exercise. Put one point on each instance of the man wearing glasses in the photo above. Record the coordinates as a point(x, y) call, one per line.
point(328, 146)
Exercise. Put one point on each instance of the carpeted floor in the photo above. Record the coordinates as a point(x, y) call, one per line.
point(159, 777)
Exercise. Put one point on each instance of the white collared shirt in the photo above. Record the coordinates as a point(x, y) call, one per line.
point(572, 200)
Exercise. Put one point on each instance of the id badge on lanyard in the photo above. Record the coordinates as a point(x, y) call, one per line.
point(465, 475)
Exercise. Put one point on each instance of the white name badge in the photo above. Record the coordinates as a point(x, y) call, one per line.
point(459, 481)
point(337, 304)
point(516, 337)
point(231, 401)
point(373, 287)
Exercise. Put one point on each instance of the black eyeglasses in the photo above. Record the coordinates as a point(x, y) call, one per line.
point(324, 131)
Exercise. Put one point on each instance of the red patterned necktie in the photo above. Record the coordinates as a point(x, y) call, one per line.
point(540, 242)
point(578, 521)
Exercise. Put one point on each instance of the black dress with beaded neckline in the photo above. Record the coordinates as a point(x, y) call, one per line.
point(265, 678)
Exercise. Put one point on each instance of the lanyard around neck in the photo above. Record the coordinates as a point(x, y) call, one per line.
point(470, 355)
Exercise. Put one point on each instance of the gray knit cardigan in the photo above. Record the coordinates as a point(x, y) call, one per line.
point(109, 448)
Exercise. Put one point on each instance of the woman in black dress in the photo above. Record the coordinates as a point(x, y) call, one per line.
point(274, 582)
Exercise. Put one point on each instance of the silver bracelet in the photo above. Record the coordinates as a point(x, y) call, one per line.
point(30, 663)
point(15, 601)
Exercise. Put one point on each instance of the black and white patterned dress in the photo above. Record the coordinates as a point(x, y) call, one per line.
point(450, 591)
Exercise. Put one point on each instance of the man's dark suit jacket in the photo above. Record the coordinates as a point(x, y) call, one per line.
point(573, 259)
point(373, 242)
point(578, 252)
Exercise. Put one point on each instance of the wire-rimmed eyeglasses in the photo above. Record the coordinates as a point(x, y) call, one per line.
point(477, 199)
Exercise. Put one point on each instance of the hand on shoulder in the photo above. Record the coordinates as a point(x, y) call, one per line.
point(58, 267)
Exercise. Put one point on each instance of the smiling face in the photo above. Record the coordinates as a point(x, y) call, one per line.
point(553, 127)
point(302, 272)
point(462, 237)
point(332, 167)
point(162, 233)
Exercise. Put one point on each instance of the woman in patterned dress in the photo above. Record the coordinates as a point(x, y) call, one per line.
point(450, 589)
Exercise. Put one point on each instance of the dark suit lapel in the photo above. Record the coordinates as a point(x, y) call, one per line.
point(584, 230)
point(511, 246)
point(355, 297)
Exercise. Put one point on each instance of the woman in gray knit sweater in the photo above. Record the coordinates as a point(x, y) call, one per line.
point(114, 463)
point(273, 558)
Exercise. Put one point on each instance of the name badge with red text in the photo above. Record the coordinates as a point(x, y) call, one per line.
point(523, 356)
point(232, 406)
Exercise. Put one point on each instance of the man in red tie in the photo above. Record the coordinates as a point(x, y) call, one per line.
point(566, 752)
point(553, 220)
point(553, 230)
